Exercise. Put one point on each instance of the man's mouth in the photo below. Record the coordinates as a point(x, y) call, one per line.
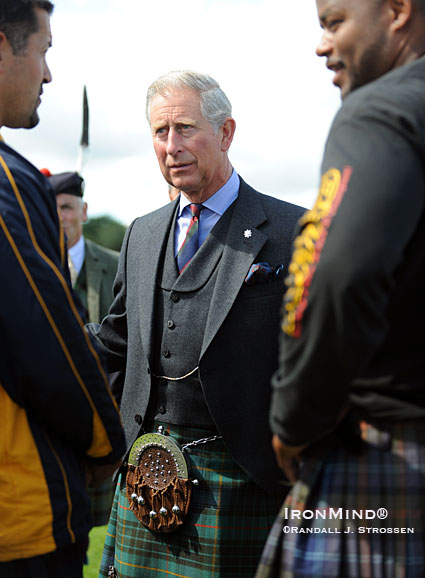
point(179, 167)
point(337, 67)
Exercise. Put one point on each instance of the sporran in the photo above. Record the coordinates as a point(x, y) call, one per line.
point(158, 486)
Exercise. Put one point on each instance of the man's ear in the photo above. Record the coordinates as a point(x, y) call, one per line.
point(401, 13)
point(227, 131)
point(85, 217)
point(3, 43)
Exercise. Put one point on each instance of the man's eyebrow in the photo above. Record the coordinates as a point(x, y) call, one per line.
point(324, 15)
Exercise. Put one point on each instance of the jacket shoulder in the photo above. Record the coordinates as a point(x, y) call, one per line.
point(281, 207)
point(273, 206)
point(100, 252)
point(151, 221)
point(24, 174)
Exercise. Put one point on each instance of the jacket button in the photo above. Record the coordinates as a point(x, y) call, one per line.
point(162, 409)
point(171, 324)
point(138, 419)
point(174, 297)
point(166, 353)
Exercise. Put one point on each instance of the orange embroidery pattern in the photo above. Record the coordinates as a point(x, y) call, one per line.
point(308, 247)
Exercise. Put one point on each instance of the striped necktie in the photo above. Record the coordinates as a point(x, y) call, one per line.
point(191, 242)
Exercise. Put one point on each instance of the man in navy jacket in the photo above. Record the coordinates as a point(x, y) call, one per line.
point(58, 420)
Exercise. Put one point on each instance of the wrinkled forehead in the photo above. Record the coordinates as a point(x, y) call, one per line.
point(67, 200)
point(175, 102)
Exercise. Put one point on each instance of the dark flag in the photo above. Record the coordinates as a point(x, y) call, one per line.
point(84, 142)
point(85, 133)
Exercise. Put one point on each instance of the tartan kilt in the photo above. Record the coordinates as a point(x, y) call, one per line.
point(101, 502)
point(388, 473)
point(223, 535)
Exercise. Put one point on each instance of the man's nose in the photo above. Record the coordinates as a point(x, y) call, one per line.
point(47, 77)
point(325, 45)
point(174, 142)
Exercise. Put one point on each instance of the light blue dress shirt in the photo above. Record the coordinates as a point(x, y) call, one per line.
point(214, 208)
point(77, 253)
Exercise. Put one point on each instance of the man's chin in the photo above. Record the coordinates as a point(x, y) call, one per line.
point(27, 123)
point(181, 184)
point(33, 120)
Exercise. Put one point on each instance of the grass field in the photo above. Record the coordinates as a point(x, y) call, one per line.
point(97, 538)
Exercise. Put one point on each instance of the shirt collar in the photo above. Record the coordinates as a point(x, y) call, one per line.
point(77, 253)
point(220, 201)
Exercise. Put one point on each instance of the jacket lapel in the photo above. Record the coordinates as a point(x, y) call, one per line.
point(243, 243)
point(206, 259)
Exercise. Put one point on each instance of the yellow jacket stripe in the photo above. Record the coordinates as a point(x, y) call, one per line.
point(97, 448)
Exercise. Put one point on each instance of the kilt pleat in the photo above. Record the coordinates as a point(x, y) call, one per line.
point(384, 483)
point(223, 535)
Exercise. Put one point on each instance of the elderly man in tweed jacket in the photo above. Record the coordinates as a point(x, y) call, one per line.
point(197, 336)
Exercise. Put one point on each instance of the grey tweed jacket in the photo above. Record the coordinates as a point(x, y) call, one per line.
point(101, 266)
point(240, 345)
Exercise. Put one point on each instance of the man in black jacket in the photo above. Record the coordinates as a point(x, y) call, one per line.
point(348, 407)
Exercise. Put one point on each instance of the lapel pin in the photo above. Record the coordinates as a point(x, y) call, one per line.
point(247, 234)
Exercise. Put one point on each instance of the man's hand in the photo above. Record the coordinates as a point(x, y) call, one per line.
point(287, 457)
point(96, 474)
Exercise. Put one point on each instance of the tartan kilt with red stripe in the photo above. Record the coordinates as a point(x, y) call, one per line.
point(385, 480)
point(223, 535)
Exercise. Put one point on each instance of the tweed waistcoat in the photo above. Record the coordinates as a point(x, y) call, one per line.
point(182, 309)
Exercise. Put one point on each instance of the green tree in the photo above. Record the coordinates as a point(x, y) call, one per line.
point(105, 231)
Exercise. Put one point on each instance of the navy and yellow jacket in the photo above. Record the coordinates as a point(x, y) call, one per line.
point(56, 409)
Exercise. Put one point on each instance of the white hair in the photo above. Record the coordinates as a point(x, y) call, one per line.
point(215, 106)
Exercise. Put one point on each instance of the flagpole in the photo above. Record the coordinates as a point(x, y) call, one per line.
point(84, 142)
